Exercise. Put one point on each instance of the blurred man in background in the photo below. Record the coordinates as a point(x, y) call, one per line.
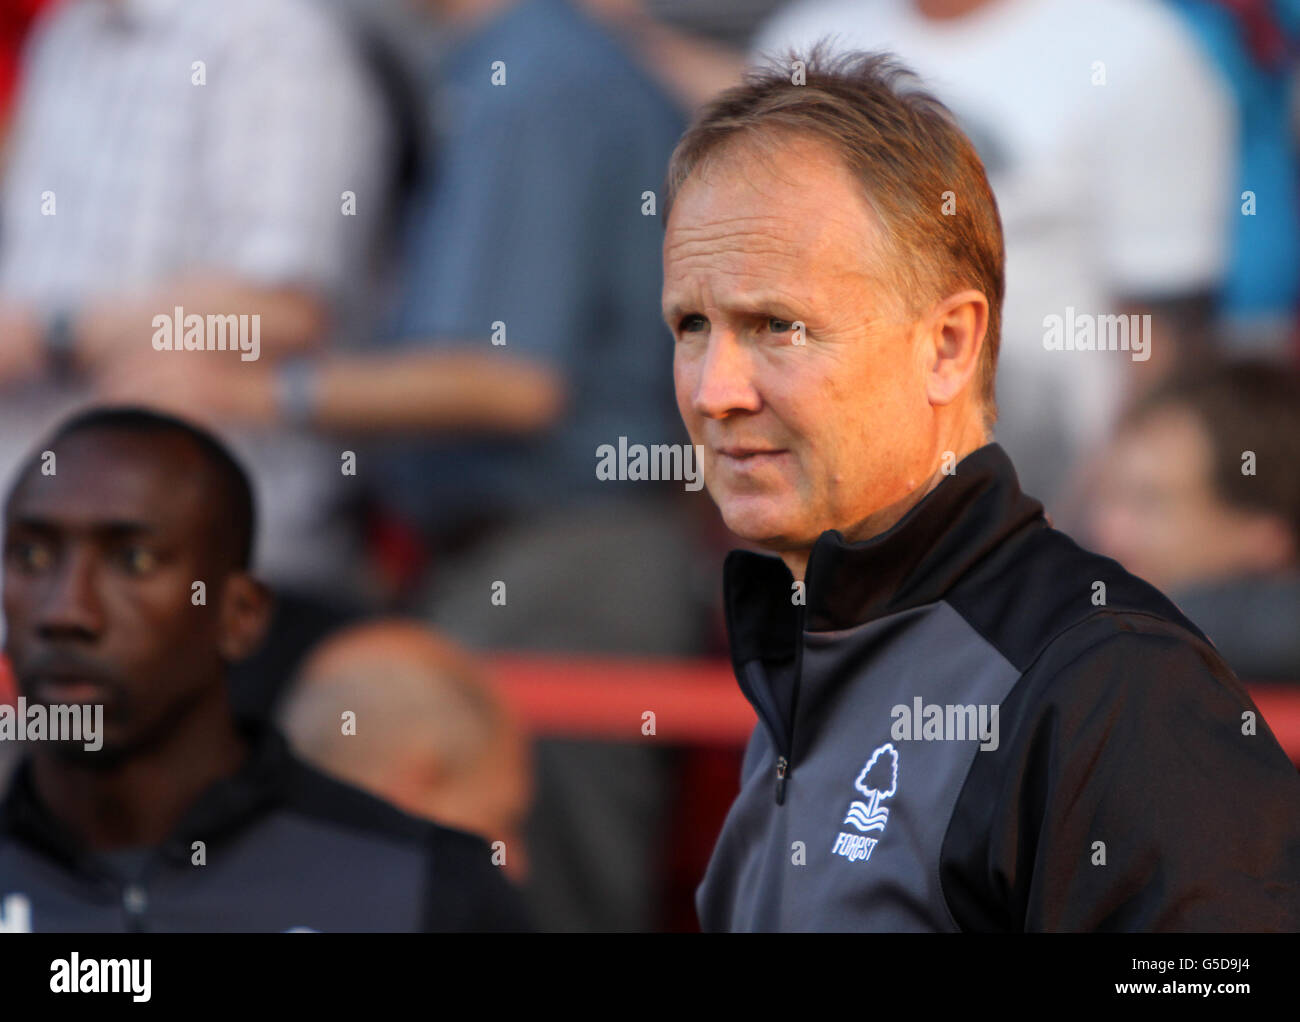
point(538, 241)
point(1199, 494)
point(194, 158)
point(525, 337)
point(1108, 140)
point(127, 551)
point(432, 737)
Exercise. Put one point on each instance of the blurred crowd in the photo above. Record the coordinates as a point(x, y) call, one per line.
point(443, 215)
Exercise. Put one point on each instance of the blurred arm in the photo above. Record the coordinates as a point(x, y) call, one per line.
point(437, 390)
point(293, 319)
point(421, 391)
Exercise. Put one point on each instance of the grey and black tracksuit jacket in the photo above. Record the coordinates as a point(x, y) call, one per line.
point(286, 848)
point(1133, 785)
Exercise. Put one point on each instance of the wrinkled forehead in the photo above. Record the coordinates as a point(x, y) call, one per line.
point(763, 211)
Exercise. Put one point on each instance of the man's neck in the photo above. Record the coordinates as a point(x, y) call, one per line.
point(886, 518)
point(140, 801)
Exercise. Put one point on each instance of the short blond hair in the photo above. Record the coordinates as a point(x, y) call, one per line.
point(920, 173)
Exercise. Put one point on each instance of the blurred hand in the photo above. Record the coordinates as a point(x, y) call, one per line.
point(214, 389)
point(22, 351)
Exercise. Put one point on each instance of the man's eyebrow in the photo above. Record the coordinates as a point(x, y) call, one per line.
point(110, 528)
point(757, 304)
point(673, 314)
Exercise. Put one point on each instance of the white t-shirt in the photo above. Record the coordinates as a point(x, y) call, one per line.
point(156, 176)
point(1108, 141)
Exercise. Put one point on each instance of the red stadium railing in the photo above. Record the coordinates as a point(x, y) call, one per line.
point(697, 702)
point(694, 702)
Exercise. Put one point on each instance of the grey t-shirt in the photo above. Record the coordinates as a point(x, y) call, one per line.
point(536, 238)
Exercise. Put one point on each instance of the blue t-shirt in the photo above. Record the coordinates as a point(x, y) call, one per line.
point(1263, 273)
point(533, 218)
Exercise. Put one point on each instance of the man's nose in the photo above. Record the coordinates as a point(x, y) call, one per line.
point(71, 603)
point(726, 381)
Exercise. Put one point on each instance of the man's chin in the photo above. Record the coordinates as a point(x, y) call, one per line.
point(107, 756)
point(766, 527)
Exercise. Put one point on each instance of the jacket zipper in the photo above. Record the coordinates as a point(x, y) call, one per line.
point(782, 761)
point(759, 695)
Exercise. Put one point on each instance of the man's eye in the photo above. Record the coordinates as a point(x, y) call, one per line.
point(138, 560)
point(31, 556)
point(691, 324)
point(779, 326)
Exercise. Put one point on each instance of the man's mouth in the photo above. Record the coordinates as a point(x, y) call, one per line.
point(69, 688)
point(68, 691)
point(747, 456)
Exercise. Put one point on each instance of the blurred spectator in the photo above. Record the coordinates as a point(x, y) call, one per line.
point(1107, 138)
point(100, 562)
point(535, 230)
point(1199, 494)
point(194, 154)
point(527, 335)
point(1255, 48)
point(431, 736)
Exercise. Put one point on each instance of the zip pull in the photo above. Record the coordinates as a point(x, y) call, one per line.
point(782, 766)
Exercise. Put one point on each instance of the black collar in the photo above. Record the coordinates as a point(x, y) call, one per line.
point(917, 561)
point(225, 806)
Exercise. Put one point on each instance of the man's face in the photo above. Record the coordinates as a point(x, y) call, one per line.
point(1155, 509)
point(803, 430)
point(100, 558)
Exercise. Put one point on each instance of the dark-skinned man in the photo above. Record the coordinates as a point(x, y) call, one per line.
point(187, 818)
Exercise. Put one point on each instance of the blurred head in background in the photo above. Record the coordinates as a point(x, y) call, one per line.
point(1200, 495)
point(112, 528)
point(1201, 483)
point(430, 736)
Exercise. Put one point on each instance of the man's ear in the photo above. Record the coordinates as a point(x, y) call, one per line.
point(245, 616)
point(956, 338)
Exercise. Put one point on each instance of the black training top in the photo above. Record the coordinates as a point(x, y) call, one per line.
point(284, 847)
point(971, 723)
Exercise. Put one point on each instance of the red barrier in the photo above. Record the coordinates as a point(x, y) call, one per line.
point(694, 702)
point(697, 702)
point(1280, 707)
